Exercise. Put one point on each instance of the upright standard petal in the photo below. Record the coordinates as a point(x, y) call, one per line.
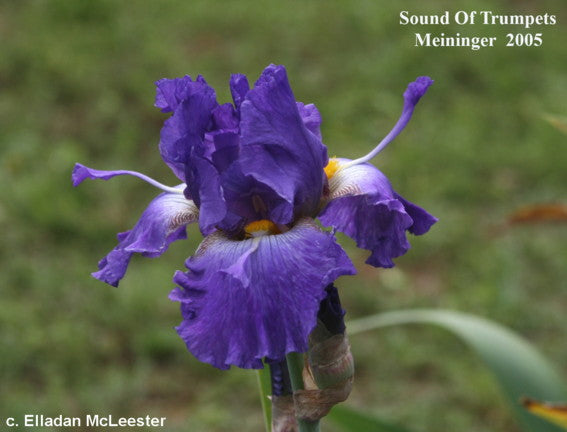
point(245, 300)
point(208, 160)
point(363, 205)
point(192, 103)
point(239, 87)
point(170, 92)
point(278, 149)
point(311, 118)
point(163, 222)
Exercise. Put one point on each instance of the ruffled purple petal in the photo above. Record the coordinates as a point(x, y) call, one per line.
point(277, 149)
point(363, 205)
point(422, 220)
point(311, 118)
point(192, 103)
point(246, 199)
point(225, 118)
point(170, 92)
point(209, 159)
point(206, 190)
point(239, 87)
point(245, 300)
point(163, 222)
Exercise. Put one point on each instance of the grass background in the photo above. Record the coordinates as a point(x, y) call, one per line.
point(76, 85)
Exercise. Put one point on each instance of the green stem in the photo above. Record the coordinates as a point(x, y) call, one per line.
point(265, 386)
point(295, 367)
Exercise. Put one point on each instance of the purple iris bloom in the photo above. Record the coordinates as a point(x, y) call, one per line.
point(255, 175)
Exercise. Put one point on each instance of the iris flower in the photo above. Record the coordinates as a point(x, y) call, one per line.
point(254, 175)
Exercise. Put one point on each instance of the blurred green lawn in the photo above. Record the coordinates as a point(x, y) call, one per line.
point(76, 84)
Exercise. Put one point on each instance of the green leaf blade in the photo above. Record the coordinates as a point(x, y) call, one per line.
point(517, 366)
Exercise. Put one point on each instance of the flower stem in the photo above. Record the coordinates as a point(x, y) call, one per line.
point(264, 385)
point(295, 366)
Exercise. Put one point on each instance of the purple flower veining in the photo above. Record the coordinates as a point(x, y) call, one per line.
point(255, 175)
